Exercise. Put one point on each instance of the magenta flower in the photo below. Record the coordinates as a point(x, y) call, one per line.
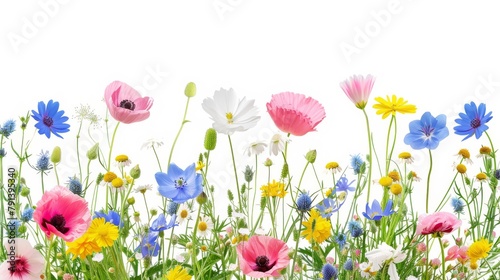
point(358, 89)
point(125, 104)
point(62, 213)
point(27, 263)
point(263, 256)
point(437, 224)
point(294, 113)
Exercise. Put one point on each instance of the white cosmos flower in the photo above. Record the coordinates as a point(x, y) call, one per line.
point(230, 114)
point(277, 144)
point(255, 148)
point(385, 254)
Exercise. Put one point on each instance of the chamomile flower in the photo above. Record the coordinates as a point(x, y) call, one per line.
point(183, 213)
point(143, 188)
point(255, 148)
point(333, 167)
point(205, 226)
point(464, 155)
point(277, 144)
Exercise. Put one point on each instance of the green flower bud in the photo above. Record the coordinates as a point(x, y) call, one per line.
point(153, 212)
point(230, 195)
point(229, 211)
point(311, 156)
point(100, 176)
point(135, 172)
point(131, 200)
point(210, 139)
point(284, 171)
point(25, 191)
point(202, 198)
point(268, 162)
point(190, 90)
point(93, 152)
point(248, 174)
point(22, 229)
point(55, 157)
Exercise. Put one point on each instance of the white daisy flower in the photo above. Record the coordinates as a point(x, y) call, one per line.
point(205, 226)
point(183, 213)
point(152, 143)
point(230, 114)
point(277, 144)
point(255, 148)
point(143, 188)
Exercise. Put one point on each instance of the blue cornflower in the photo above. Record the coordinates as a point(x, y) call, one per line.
point(7, 128)
point(458, 205)
point(328, 206)
point(75, 186)
point(329, 272)
point(179, 185)
point(341, 240)
point(343, 185)
point(111, 217)
point(348, 265)
point(27, 214)
point(355, 228)
point(427, 132)
point(149, 246)
point(375, 213)
point(358, 164)
point(473, 122)
point(172, 208)
point(43, 162)
point(50, 119)
point(160, 224)
point(304, 202)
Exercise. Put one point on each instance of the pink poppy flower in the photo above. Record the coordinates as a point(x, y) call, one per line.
point(26, 263)
point(458, 253)
point(126, 104)
point(62, 213)
point(294, 113)
point(437, 224)
point(262, 256)
point(358, 89)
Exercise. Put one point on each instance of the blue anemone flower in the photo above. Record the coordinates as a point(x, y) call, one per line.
point(375, 213)
point(473, 122)
point(329, 206)
point(160, 224)
point(111, 217)
point(50, 119)
point(343, 185)
point(149, 246)
point(179, 185)
point(427, 132)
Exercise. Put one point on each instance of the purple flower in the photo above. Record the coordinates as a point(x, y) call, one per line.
point(375, 213)
point(149, 246)
point(343, 185)
point(473, 122)
point(427, 132)
point(329, 206)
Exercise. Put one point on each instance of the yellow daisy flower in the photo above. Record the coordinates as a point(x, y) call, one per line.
point(177, 273)
point(391, 106)
point(317, 228)
point(273, 189)
point(82, 247)
point(102, 232)
point(478, 250)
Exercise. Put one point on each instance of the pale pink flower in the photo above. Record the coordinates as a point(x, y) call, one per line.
point(262, 256)
point(421, 247)
point(435, 263)
point(437, 224)
point(26, 263)
point(62, 213)
point(294, 113)
point(126, 104)
point(358, 89)
point(457, 253)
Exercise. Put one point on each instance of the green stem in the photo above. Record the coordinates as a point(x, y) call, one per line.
point(78, 149)
point(493, 153)
point(111, 146)
point(428, 183)
point(55, 171)
point(178, 132)
point(370, 155)
point(235, 173)
point(443, 261)
point(296, 247)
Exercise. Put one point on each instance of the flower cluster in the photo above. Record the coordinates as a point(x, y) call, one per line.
point(367, 217)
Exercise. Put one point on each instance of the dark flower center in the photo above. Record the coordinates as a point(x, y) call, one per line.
point(475, 123)
point(127, 104)
point(21, 266)
point(58, 222)
point(180, 183)
point(427, 130)
point(262, 263)
point(48, 121)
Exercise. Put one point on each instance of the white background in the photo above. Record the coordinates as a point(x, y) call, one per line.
point(436, 54)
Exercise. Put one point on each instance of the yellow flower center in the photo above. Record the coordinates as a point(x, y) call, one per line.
point(184, 213)
point(481, 176)
point(117, 183)
point(229, 117)
point(385, 181)
point(394, 176)
point(396, 189)
point(332, 165)
point(109, 176)
point(485, 150)
point(202, 226)
point(461, 168)
point(121, 158)
point(464, 153)
point(404, 155)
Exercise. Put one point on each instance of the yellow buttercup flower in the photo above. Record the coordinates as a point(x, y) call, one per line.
point(273, 189)
point(102, 232)
point(82, 247)
point(199, 165)
point(317, 228)
point(391, 106)
point(478, 250)
point(177, 273)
